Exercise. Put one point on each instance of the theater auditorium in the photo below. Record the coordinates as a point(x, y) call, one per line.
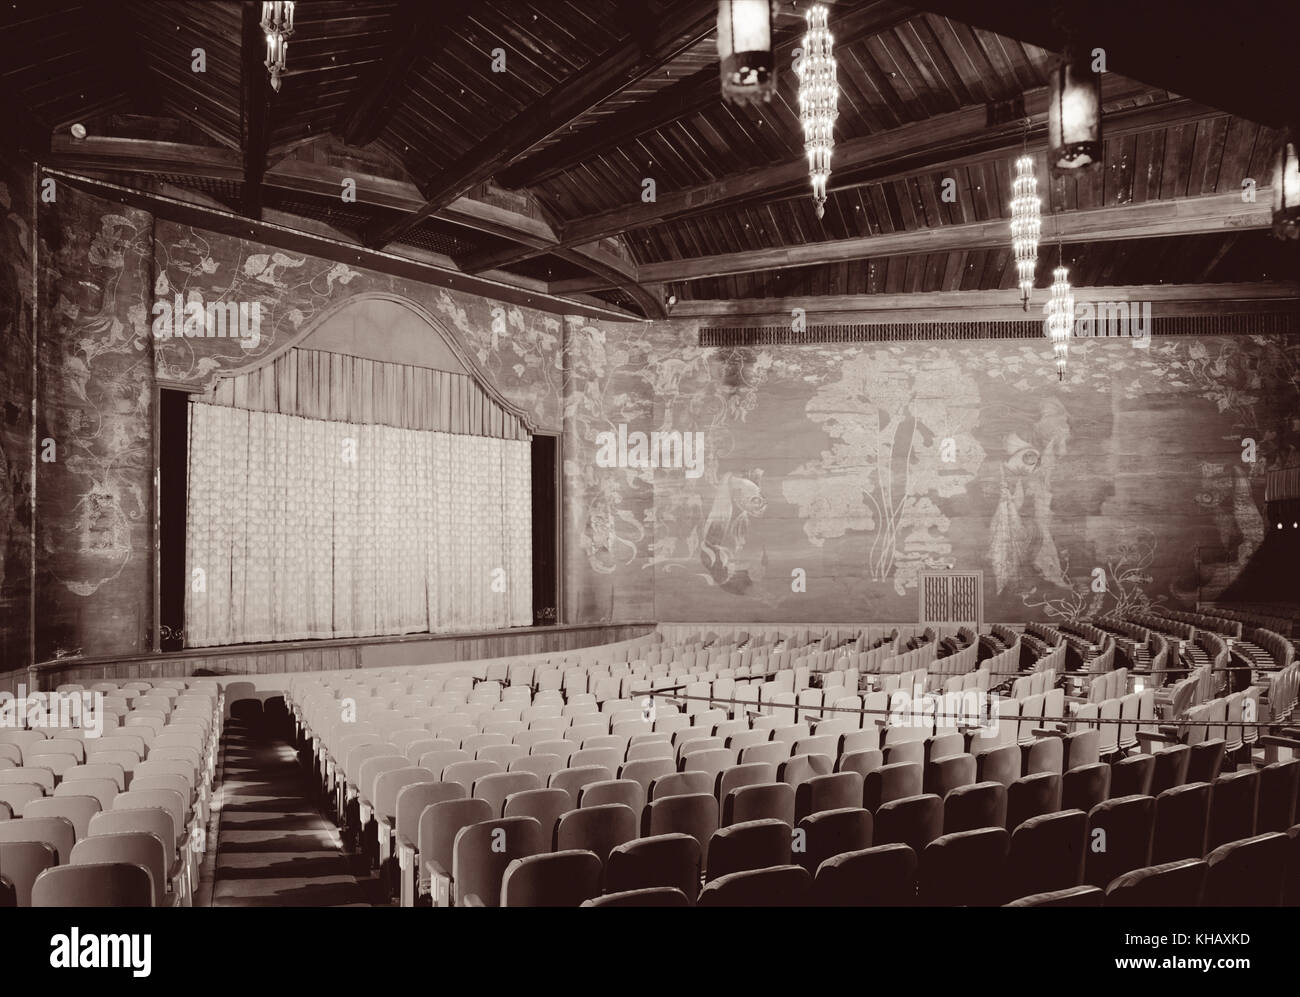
point(616, 453)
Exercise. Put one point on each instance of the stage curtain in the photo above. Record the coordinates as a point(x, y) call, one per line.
point(303, 528)
point(332, 386)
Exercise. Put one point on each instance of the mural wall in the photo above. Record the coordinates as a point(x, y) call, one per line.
point(833, 475)
point(785, 483)
point(16, 220)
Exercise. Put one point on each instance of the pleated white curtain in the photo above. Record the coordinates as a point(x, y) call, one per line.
point(306, 529)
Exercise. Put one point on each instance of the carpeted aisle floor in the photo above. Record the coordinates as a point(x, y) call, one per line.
point(273, 847)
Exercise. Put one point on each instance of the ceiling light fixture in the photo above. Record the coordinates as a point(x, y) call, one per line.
point(277, 23)
point(1286, 190)
point(1060, 317)
point(1074, 113)
point(1026, 225)
point(746, 61)
point(818, 100)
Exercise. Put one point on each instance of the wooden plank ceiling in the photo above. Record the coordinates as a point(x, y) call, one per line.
point(535, 175)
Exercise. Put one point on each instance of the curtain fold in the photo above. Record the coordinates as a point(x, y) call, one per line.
point(309, 528)
point(339, 388)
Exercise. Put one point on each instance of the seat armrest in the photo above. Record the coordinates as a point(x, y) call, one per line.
point(439, 883)
point(1162, 738)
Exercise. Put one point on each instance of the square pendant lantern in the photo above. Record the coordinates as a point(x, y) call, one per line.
point(1074, 113)
point(1286, 190)
point(747, 62)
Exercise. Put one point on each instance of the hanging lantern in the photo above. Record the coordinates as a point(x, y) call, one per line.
point(277, 24)
point(1060, 318)
point(1025, 225)
point(1074, 114)
point(1286, 191)
point(818, 101)
point(748, 64)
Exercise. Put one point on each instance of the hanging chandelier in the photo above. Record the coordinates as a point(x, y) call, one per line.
point(1025, 225)
point(277, 23)
point(1060, 318)
point(746, 61)
point(818, 101)
point(1286, 190)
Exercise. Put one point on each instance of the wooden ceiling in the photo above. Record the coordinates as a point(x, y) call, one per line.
point(533, 176)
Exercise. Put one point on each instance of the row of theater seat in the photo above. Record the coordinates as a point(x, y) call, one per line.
point(114, 820)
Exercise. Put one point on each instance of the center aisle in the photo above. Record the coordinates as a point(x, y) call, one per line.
point(273, 847)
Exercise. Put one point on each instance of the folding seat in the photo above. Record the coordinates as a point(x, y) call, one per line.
point(501, 754)
point(754, 844)
point(945, 774)
point(800, 768)
point(1042, 754)
point(1084, 787)
point(1291, 894)
point(1047, 853)
point(466, 772)
point(10, 755)
point(650, 749)
point(96, 771)
point(668, 723)
point(1032, 795)
point(655, 896)
point(821, 744)
point(1075, 896)
point(132, 847)
point(23, 862)
point(497, 786)
point(474, 742)
point(1132, 776)
point(436, 833)
point(686, 748)
point(944, 745)
point(891, 782)
point(903, 751)
point(831, 832)
point(483, 851)
point(711, 762)
point(881, 876)
point(828, 792)
point(620, 744)
point(77, 809)
point(782, 886)
point(412, 799)
point(646, 771)
point(559, 879)
point(1233, 805)
point(578, 732)
point(564, 749)
point(861, 762)
point(30, 775)
point(1248, 873)
point(22, 738)
point(679, 784)
point(112, 884)
point(103, 790)
point(663, 861)
point(573, 779)
point(1279, 784)
point(608, 758)
point(981, 804)
point(866, 739)
point(1123, 826)
point(63, 741)
point(695, 814)
point(1170, 768)
point(1180, 883)
point(1206, 761)
point(1081, 747)
point(56, 831)
point(625, 791)
point(965, 869)
point(1002, 764)
point(597, 829)
point(914, 821)
point(56, 762)
point(775, 752)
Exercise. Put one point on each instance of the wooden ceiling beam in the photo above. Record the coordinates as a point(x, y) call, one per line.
point(254, 114)
point(694, 94)
point(422, 28)
point(1149, 219)
point(952, 140)
point(687, 22)
point(991, 306)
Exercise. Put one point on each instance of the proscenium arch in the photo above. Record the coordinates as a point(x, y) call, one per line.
point(449, 338)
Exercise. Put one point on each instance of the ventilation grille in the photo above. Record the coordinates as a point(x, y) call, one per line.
point(1256, 323)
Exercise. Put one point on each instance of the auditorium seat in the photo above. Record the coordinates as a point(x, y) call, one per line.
point(1032, 795)
point(625, 791)
point(1279, 785)
point(965, 869)
point(774, 800)
point(1047, 853)
point(891, 782)
point(981, 804)
point(781, 886)
point(1182, 823)
point(546, 806)
point(1248, 872)
point(829, 833)
point(597, 829)
point(1178, 883)
point(1075, 896)
point(1000, 764)
point(695, 814)
point(23, 860)
point(1132, 776)
point(1206, 760)
point(563, 878)
point(114, 884)
point(132, 847)
point(828, 792)
point(436, 836)
point(680, 784)
point(914, 821)
point(481, 853)
point(1119, 838)
point(672, 860)
point(754, 844)
point(655, 896)
point(1233, 804)
point(77, 809)
point(1082, 788)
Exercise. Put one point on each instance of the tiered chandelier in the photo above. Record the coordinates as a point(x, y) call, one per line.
point(277, 23)
point(1060, 317)
point(1025, 225)
point(818, 101)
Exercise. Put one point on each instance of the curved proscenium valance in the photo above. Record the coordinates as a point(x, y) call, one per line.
point(376, 359)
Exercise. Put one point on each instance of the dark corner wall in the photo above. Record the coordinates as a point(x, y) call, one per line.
point(827, 478)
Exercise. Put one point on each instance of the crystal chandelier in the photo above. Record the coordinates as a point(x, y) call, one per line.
point(818, 99)
point(1060, 318)
point(277, 23)
point(1025, 225)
